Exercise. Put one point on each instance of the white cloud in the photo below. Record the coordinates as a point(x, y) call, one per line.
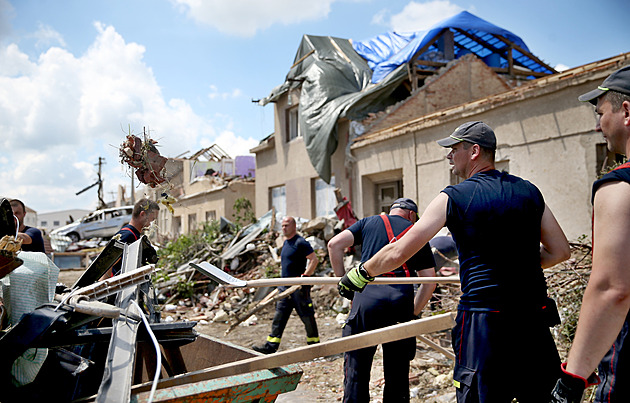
point(215, 94)
point(232, 144)
point(422, 16)
point(246, 17)
point(46, 36)
point(561, 67)
point(59, 113)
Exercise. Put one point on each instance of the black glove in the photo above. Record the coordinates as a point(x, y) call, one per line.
point(570, 387)
point(354, 280)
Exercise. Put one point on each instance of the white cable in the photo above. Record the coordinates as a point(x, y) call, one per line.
point(156, 378)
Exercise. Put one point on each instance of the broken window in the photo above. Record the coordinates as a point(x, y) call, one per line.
point(325, 200)
point(292, 126)
point(278, 196)
point(211, 215)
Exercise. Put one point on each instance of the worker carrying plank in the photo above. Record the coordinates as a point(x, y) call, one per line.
point(382, 305)
point(501, 339)
point(296, 251)
point(604, 324)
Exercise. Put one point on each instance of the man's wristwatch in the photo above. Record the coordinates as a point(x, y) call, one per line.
point(363, 272)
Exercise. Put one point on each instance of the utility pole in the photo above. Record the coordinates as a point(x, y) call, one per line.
point(101, 161)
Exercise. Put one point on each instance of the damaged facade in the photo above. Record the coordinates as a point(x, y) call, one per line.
point(206, 185)
point(544, 134)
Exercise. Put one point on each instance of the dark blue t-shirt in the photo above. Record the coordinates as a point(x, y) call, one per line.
point(38, 241)
point(128, 234)
point(371, 234)
point(619, 174)
point(495, 219)
point(293, 256)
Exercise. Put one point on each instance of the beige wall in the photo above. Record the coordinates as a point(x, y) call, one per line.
point(282, 163)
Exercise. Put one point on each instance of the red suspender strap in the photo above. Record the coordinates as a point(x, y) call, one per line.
point(392, 238)
point(134, 234)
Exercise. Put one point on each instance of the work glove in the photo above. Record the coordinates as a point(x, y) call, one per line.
point(570, 387)
point(354, 280)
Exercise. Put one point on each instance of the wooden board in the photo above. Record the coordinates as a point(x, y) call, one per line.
point(301, 354)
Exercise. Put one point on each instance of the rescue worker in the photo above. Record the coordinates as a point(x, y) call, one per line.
point(501, 336)
point(382, 305)
point(296, 251)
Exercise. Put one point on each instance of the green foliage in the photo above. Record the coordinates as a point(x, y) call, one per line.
point(181, 250)
point(243, 213)
point(611, 167)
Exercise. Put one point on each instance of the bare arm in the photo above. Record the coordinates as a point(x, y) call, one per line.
point(607, 297)
point(311, 265)
point(26, 238)
point(555, 247)
point(395, 254)
point(336, 247)
point(424, 292)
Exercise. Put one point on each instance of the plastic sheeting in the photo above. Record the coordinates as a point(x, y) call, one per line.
point(335, 83)
point(384, 62)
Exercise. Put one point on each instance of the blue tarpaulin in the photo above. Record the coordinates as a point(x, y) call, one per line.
point(402, 47)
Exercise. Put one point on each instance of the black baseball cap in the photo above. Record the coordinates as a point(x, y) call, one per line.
point(472, 132)
point(405, 203)
point(618, 81)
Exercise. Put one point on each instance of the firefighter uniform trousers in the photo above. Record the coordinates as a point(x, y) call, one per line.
point(376, 307)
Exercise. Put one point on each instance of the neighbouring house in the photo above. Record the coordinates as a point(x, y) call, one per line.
point(55, 219)
point(206, 186)
point(376, 141)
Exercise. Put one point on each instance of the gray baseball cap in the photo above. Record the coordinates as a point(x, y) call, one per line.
point(405, 203)
point(472, 132)
point(618, 81)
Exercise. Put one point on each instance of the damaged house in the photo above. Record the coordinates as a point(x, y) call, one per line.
point(206, 185)
point(367, 115)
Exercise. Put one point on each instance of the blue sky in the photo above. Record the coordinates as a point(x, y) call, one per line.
point(76, 75)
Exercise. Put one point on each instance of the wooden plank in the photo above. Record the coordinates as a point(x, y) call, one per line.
point(301, 354)
point(288, 281)
point(436, 347)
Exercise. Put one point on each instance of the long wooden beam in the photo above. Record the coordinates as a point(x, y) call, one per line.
point(307, 353)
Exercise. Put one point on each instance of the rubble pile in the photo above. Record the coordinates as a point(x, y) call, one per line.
point(248, 254)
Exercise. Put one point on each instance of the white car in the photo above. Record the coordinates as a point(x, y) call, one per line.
point(98, 224)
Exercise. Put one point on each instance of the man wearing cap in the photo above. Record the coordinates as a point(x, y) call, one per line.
point(604, 317)
point(382, 305)
point(501, 337)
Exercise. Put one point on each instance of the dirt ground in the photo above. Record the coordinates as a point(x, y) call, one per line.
point(322, 379)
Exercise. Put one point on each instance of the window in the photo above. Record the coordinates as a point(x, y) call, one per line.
point(211, 215)
point(45, 223)
point(325, 200)
point(278, 197)
point(386, 193)
point(293, 125)
point(55, 223)
point(192, 222)
point(176, 226)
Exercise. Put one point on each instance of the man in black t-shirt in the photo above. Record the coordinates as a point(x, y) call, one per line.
point(503, 345)
point(32, 239)
point(296, 251)
point(604, 324)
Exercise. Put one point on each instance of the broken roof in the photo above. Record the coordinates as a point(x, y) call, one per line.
point(471, 35)
point(336, 81)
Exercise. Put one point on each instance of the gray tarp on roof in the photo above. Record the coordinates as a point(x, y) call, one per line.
point(335, 84)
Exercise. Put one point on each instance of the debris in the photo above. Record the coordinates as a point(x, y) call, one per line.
point(144, 158)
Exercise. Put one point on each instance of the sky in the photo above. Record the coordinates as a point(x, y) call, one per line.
point(77, 76)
